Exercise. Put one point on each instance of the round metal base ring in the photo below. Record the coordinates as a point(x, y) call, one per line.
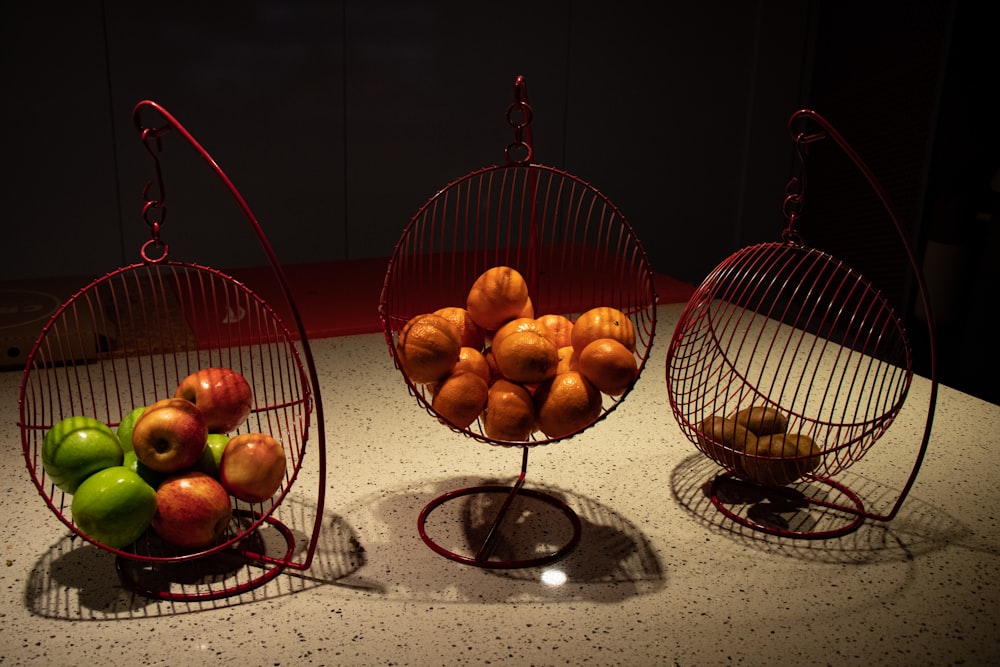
point(853, 513)
point(229, 560)
point(483, 557)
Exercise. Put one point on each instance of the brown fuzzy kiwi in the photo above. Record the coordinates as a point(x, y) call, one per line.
point(724, 441)
point(761, 420)
point(781, 458)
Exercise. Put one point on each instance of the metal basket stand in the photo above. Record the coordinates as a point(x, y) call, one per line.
point(545, 223)
point(784, 326)
point(114, 346)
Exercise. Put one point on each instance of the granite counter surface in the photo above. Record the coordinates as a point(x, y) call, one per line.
point(660, 576)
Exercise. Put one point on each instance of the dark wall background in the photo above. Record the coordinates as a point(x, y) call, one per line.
point(338, 120)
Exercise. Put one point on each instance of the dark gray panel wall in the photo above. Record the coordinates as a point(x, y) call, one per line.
point(337, 120)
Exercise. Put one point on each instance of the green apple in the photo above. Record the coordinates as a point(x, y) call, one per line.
point(114, 506)
point(76, 448)
point(152, 477)
point(125, 427)
point(211, 458)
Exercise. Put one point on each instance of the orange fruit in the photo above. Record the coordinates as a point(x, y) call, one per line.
point(603, 322)
point(559, 328)
point(499, 294)
point(471, 360)
point(609, 365)
point(528, 310)
point(461, 398)
point(566, 404)
point(526, 356)
point(518, 324)
point(472, 334)
point(510, 412)
point(491, 360)
point(568, 359)
point(428, 346)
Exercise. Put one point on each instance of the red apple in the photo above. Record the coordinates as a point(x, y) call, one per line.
point(192, 510)
point(170, 435)
point(222, 395)
point(252, 467)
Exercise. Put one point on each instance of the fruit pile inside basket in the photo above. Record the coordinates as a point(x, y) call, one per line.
point(171, 466)
point(756, 444)
point(494, 359)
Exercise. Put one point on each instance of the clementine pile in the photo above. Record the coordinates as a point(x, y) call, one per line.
point(495, 361)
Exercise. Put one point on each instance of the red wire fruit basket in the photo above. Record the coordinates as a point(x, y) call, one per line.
point(573, 247)
point(787, 366)
point(117, 344)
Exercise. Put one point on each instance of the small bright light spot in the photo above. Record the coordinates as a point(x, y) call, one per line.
point(553, 577)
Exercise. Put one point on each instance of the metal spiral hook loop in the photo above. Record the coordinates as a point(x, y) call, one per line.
point(154, 208)
point(519, 116)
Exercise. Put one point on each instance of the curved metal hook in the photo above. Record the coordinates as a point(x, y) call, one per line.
point(827, 130)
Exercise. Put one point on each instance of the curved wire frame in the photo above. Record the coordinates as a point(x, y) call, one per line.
point(116, 344)
point(788, 327)
point(574, 248)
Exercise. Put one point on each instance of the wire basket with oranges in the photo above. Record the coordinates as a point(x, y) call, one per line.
point(518, 303)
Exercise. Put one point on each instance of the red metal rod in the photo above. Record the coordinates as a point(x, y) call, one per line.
point(486, 549)
point(174, 125)
point(831, 132)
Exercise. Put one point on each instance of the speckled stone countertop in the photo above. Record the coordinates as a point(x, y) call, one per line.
point(660, 576)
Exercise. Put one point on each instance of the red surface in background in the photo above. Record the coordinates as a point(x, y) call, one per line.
point(342, 298)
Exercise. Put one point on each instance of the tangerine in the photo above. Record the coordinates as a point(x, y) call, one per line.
point(518, 324)
point(568, 359)
point(609, 366)
point(461, 398)
point(603, 322)
point(491, 360)
point(428, 346)
point(566, 404)
point(526, 356)
point(510, 412)
point(528, 310)
point(499, 294)
point(471, 334)
point(471, 360)
point(559, 328)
